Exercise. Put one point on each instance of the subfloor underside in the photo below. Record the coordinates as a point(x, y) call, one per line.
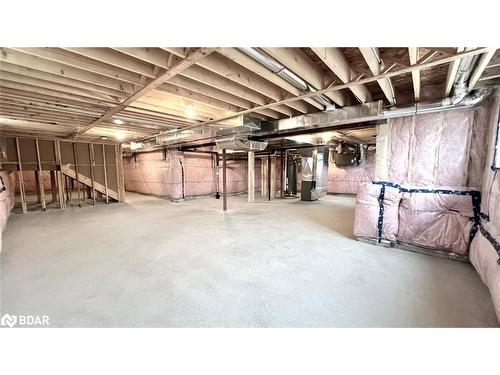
point(150, 262)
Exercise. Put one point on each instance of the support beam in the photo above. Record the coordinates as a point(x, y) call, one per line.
point(251, 176)
point(105, 173)
point(263, 177)
point(249, 63)
point(272, 176)
point(480, 66)
point(224, 182)
point(75, 157)
point(162, 78)
point(302, 65)
point(59, 176)
point(92, 164)
point(372, 58)
point(21, 178)
point(40, 179)
point(415, 75)
point(269, 174)
point(338, 64)
point(451, 75)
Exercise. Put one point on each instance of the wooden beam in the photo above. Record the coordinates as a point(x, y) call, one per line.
point(415, 75)
point(252, 65)
point(338, 64)
point(40, 177)
point(155, 56)
point(216, 93)
point(105, 173)
point(363, 81)
point(61, 70)
point(42, 76)
point(227, 68)
point(21, 178)
point(482, 63)
point(372, 58)
point(50, 85)
point(204, 76)
point(302, 65)
point(80, 62)
point(59, 176)
point(92, 163)
point(115, 58)
point(178, 68)
point(452, 73)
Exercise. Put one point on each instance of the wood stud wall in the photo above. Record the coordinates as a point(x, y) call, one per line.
point(96, 170)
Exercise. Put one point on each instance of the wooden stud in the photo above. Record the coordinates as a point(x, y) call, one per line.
point(251, 176)
point(59, 176)
point(75, 156)
point(53, 185)
point(482, 63)
point(21, 179)
point(105, 173)
point(40, 179)
point(92, 163)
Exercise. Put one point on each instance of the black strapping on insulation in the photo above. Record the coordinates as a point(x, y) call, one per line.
point(475, 196)
point(380, 222)
point(3, 188)
point(484, 216)
point(491, 240)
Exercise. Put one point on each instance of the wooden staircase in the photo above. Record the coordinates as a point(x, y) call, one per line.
point(88, 182)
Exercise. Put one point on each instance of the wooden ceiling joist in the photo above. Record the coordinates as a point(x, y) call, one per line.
point(37, 74)
point(154, 56)
point(116, 59)
point(372, 58)
point(78, 61)
point(415, 75)
point(302, 65)
point(362, 81)
point(193, 58)
point(481, 65)
point(60, 70)
point(338, 64)
point(252, 65)
point(451, 74)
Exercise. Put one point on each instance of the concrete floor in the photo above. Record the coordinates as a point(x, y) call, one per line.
point(153, 263)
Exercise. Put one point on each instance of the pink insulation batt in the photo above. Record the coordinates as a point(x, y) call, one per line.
point(434, 151)
point(438, 221)
point(483, 255)
point(367, 211)
point(347, 180)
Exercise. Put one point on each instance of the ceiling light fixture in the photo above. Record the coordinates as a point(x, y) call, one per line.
point(117, 121)
point(120, 136)
point(190, 111)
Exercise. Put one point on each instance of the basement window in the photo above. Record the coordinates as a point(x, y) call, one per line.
point(496, 157)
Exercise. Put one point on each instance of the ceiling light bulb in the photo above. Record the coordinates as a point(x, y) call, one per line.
point(190, 111)
point(120, 136)
point(117, 121)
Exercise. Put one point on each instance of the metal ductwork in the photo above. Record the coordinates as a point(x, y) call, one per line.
point(285, 73)
point(240, 144)
point(460, 86)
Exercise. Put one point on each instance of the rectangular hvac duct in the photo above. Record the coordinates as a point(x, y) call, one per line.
point(240, 144)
